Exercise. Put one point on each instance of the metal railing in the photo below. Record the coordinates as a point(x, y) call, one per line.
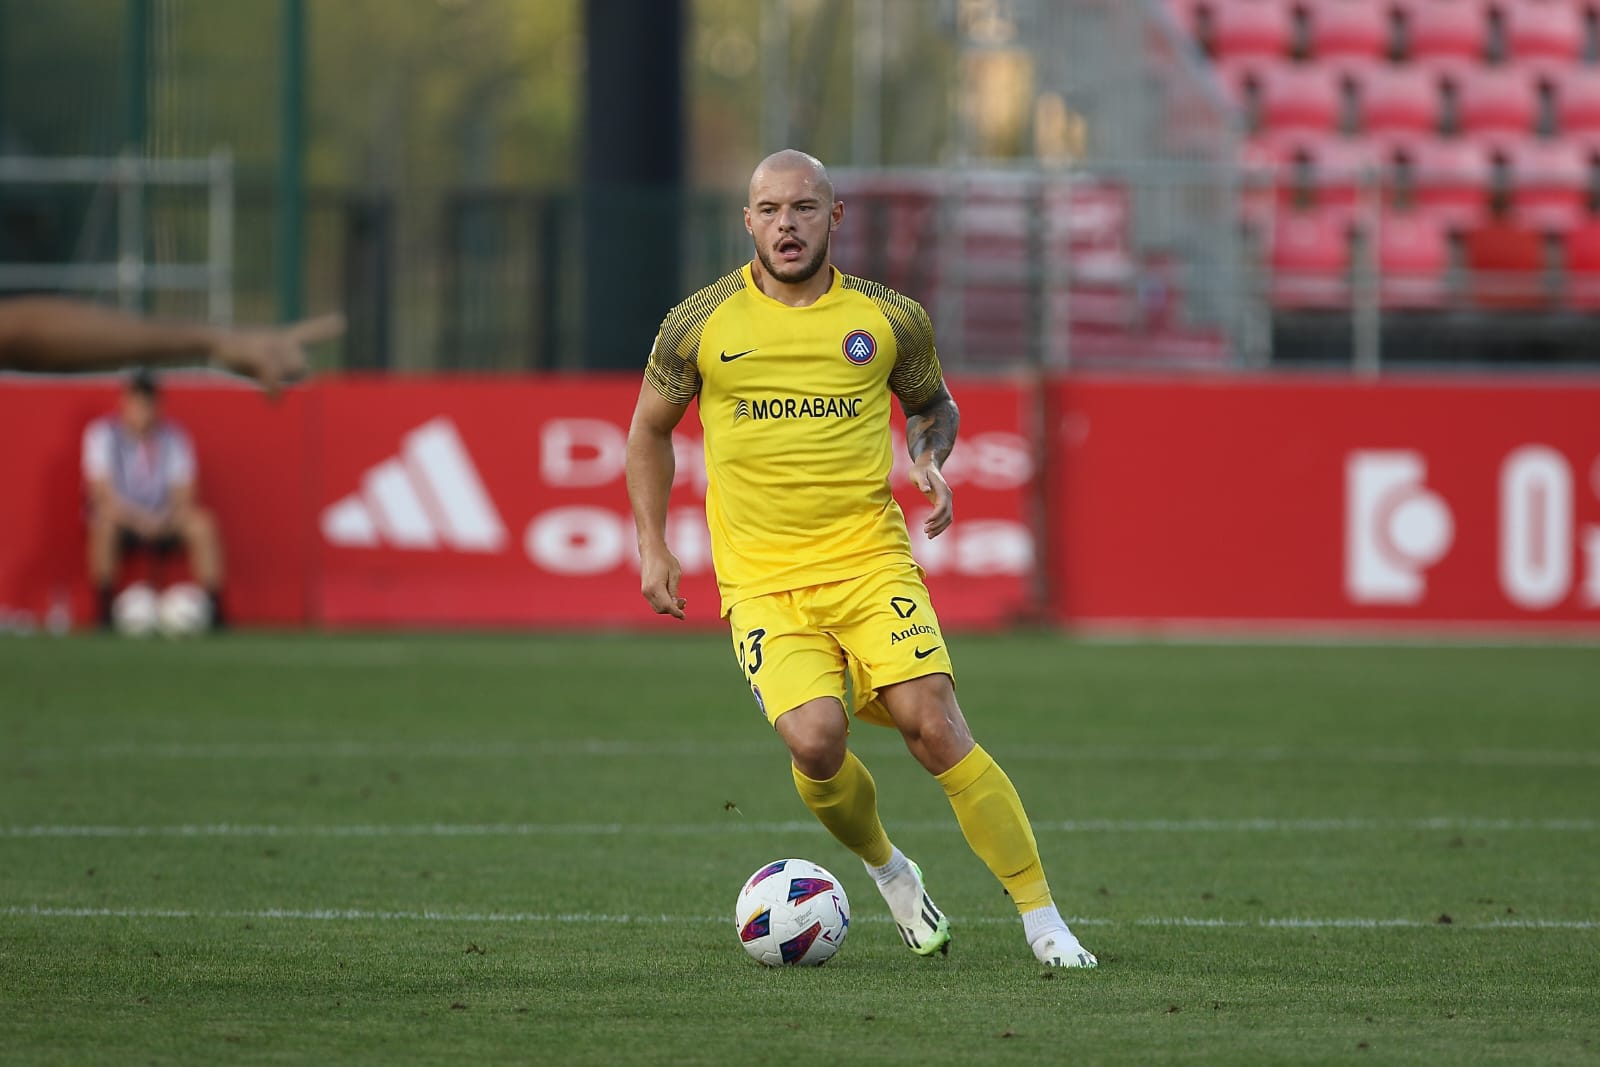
point(132, 274)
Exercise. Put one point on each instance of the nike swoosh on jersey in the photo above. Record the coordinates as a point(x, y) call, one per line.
point(729, 359)
point(921, 654)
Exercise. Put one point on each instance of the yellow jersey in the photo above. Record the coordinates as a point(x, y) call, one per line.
point(795, 402)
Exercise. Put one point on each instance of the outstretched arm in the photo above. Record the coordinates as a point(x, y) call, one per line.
point(931, 431)
point(650, 468)
point(48, 334)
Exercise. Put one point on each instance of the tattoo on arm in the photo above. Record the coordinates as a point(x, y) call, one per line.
point(933, 427)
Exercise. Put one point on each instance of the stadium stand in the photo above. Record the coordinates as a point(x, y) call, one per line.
point(1457, 140)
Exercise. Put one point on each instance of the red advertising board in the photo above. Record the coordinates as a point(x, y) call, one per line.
point(503, 501)
point(1250, 503)
point(1332, 501)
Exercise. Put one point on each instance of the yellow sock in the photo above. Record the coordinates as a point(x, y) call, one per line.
point(991, 817)
point(847, 804)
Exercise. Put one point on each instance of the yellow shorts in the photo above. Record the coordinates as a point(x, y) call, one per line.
point(865, 633)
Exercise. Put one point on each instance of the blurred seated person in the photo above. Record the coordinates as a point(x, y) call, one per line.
point(139, 470)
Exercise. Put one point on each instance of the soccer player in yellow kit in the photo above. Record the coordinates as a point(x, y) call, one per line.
point(794, 364)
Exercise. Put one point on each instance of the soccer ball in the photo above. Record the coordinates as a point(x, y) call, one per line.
point(184, 609)
point(135, 610)
point(792, 913)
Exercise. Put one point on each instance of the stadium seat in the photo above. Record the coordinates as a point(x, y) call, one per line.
point(1413, 260)
point(1443, 28)
point(1505, 264)
point(1396, 99)
point(1499, 99)
point(1583, 266)
point(1543, 29)
point(1334, 170)
point(1247, 28)
point(1298, 97)
point(1578, 102)
point(1449, 179)
point(1349, 28)
point(1549, 183)
point(1310, 260)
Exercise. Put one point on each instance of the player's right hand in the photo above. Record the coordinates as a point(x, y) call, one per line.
point(275, 357)
point(659, 574)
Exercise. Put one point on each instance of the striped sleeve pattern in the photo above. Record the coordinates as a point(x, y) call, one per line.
point(916, 375)
point(673, 370)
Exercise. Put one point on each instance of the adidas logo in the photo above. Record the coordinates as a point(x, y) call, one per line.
point(427, 497)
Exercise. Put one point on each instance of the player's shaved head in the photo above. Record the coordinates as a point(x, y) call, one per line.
point(788, 161)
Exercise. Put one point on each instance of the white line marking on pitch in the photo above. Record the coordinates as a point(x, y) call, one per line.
point(601, 919)
point(1075, 826)
point(613, 748)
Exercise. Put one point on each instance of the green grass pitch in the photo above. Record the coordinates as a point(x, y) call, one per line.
point(525, 849)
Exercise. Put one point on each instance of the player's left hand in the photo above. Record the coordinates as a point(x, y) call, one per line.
point(930, 482)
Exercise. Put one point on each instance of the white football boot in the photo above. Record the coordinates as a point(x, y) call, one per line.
point(922, 926)
point(1059, 948)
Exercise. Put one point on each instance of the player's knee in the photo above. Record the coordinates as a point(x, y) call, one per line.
point(934, 730)
point(933, 727)
point(816, 740)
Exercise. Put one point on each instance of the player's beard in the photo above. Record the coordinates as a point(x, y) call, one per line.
point(795, 273)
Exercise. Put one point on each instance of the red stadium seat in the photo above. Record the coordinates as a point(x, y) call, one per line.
point(1549, 183)
point(1295, 97)
point(1341, 170)
point(1414, 260)
point(1501, 99)
point(1402, 99)
point(1449, 179)
point(1323, 172)
point(1310, 260)
point(1546, 29)
point(1349, 28)
point(1443, 28)
point(1248, 28)
point(1583, 266)
point(1506, 266)
point(1578, 97)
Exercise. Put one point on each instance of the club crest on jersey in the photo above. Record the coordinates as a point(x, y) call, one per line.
point(859, 347)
